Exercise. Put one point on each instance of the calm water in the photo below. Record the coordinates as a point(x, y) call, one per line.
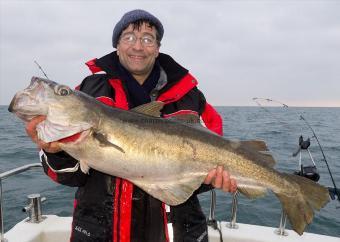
point(280, 129)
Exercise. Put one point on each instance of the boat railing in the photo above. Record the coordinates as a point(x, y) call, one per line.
point(36, 200)
point(232, 224)
point(3, 176)
point(281, 230)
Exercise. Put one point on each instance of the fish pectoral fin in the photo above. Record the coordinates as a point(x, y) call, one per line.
point(105, 142)
point(152, 108)
point(172, 192)
point(252, 192)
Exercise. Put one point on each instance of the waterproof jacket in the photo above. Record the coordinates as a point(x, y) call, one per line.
point(111, 209)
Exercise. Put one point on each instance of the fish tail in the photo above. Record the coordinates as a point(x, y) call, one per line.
point(299, 206)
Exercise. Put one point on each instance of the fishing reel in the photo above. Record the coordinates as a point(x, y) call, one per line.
point(308, 171)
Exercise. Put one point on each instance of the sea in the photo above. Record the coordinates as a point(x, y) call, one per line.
point(278, 126)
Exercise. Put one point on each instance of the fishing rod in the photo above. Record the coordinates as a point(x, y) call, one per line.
point(41, 69)
point(333, 191)
point(336, 190)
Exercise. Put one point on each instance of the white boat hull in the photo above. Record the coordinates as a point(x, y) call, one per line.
point(58, 229)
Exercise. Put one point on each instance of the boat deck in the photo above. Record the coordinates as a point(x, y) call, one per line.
point(57, 229)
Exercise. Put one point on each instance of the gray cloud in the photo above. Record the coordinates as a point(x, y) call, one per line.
point(287, 50)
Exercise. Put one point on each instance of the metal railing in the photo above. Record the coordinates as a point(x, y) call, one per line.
point(232, 224)
point(3, 176)
point(281, 230)
point(212, 205)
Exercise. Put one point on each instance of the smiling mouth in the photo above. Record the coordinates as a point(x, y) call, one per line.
point(136, 57)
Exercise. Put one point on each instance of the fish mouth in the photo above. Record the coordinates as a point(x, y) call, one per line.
point(27, 104)
point(25, 111)
point(11, 105)
point(13, 108)
point(32, 90)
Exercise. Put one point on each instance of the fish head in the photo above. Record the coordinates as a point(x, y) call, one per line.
point(36, 98)
point(65, 111)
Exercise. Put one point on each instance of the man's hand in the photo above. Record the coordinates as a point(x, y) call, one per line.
point(31, 126)
point(219, 178)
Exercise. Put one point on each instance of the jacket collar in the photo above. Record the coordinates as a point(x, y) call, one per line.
point(110, 64)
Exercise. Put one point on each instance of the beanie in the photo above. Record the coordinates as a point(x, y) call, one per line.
point(132, 16)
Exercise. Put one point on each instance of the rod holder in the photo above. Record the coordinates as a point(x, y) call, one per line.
point(281, 230)
point(212, 205)
point(3, 176)
point(211, 219)
point(232, 224)
point(34, 208)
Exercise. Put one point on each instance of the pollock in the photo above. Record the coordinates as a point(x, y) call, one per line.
point(168, 159)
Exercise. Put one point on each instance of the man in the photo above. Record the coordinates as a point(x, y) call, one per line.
point(110, 208)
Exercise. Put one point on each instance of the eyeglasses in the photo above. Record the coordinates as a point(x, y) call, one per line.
point(131, 39)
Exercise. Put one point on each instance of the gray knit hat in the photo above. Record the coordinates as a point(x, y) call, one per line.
point(132, 16)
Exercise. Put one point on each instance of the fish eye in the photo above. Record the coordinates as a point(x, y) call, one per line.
point(63, 91)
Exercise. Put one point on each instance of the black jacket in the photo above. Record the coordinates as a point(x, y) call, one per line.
point(98, 194)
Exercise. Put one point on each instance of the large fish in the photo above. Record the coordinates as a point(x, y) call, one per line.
point(166, 158)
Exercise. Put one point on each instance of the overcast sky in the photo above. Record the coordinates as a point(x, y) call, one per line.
point(285, 50)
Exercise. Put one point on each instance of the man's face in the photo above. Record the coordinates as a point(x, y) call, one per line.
point(137, 57)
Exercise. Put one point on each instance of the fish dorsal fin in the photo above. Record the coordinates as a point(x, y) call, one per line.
point(189, 118)
point(258, 145)
point(152, 108)
point(257, 149)
point(192, 120)
point(267, 158)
